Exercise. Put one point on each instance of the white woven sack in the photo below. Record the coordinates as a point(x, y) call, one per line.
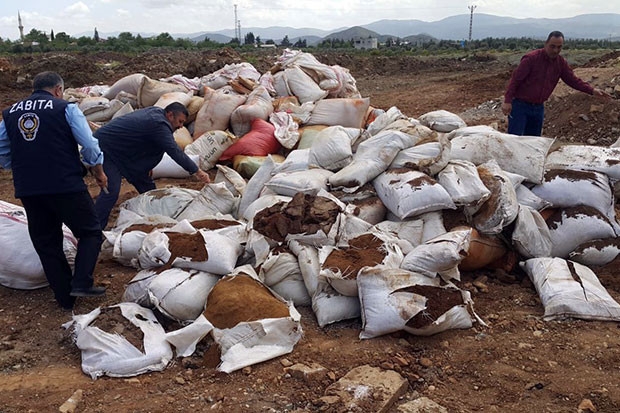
point(111, 354)
point(570, 290)
point(382, 121)
point(527, 198)
point(531, 236)
point(461, 180)
point(442, 121)
point(501, 208)
point(310, 181)
point(331, 149)
point(564, 188)
point(596, 252)
point(168, 168)
point(92, 104)
point(181, 294)
point(222, 253)
point(296, 160)
point(171, 97)
point(373, 156)
point(429, 158)
point(386, 306)
point(523, 155)
point(209, 147)
point(257, 106)
point(408, 193)
point(136, 289)
point(107, 113)
point(344, 112)
point(587, 158)
point(168, 202)
point(151, 90)
point(281, 272)
point(129, 84)
point(213, 199)
point(440, 255)
point(302, 85)
point(571, 227)
point(330, 307)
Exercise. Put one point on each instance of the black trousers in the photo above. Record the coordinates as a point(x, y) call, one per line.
point(46, 214)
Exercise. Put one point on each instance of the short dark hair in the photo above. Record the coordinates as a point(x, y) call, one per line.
point(176, 108)
point(555, 33)
point(47, 80)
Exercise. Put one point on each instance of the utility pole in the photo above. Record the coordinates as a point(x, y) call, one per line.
point(237, 26)
point(20, 27)
point(471, 19)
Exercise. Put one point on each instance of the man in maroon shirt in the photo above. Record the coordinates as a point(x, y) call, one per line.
point(532, 83)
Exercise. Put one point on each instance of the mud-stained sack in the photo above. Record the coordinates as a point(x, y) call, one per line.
point(442, 121)
point(440, 255)
point(257, 106)
point(571, 227)
point(129, 84)
point(252, 323)
point(596, 252)
point(20, 266)
point(527, 198)
point(182, 137)
point(407, 193)
point(461, 180)
point(429, 158)
point(151, 90)
point(106, 113)
point(255, 185)
point(214, 114)
point(395, 299)
point(564, 188)
point(310, 182)
point(570, 290)
point(209, 147)
point(286, 129)
point(92, 104)
point(523, 155)
point(171, 97)
point(373, 156)
point(502, 206)
point(332, 148)
point(344, 112)
point(168, 202)
point(531, 236)
point(129, 239)
point(107, 353)
point(181, 294)
point(587, 158)
point(299, 84)
point(330, 307)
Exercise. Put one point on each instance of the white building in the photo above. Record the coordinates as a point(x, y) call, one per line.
point(365, 43)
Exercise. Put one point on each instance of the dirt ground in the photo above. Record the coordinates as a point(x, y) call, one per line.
point(518, 363)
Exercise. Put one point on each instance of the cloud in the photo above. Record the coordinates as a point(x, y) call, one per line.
point(77, 9)
point(123, 12)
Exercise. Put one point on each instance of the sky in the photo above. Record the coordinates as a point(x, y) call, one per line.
point(193, 16)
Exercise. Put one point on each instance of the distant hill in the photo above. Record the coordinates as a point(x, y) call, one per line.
point(603, 26)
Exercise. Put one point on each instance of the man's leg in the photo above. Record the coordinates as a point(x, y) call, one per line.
point(517, 118)
point(78, 213)
point(535, 119)
point(105, 202)
point(143, 184)
point(45, 229)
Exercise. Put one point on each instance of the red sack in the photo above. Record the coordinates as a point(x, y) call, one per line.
point(259, 141)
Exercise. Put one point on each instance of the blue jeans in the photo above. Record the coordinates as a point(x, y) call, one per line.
point(526, 118)
point(105, 202)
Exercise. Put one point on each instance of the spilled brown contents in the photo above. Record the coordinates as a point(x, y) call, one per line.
point(569, 174)
point(111, 321)
point(439, 300)
point(365, 250)
point(146, 228)
point(304, 214)
point(558, 216)
point(186, 245)
point(213, 223)
point(240, 298)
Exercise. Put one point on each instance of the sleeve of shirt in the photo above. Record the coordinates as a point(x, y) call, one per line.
point(91, 153)
point(517, 78)
point(5, 147)
point(569, 77)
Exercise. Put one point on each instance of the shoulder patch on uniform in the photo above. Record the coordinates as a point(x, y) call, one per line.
point(29, 125)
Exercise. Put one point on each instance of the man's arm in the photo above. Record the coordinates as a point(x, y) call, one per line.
point(91, 153)
point(184, 161)
point(5, 147)
point(518, 76)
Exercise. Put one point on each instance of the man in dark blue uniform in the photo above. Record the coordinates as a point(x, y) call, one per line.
point(39, 139)
point(133, 145)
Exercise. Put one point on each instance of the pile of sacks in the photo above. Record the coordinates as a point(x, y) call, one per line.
point(321, 200)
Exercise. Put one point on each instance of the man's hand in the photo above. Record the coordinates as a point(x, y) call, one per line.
point(506, 108)
point(202, 176)
point(600, 93)
point(100, 177)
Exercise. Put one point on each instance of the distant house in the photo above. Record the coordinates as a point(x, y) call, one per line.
point(365, 43)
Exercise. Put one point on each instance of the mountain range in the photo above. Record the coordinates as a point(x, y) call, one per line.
point(603, 26)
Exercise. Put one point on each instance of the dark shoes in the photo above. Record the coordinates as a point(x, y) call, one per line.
point(88, 292)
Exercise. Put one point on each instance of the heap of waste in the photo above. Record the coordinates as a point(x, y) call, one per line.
point(321, 200)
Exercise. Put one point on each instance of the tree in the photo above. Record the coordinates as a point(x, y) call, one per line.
point(125, 36)
point(258, 41)
point(62, 37)
point(270, 41)
point(52, 35)
point(249, 38)
point(36, 36)
point(96, 36)
point(285, 42)
point(301, 44)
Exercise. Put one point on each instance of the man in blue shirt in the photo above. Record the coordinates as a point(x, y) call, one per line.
point(133, 145)
point(39, 138)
